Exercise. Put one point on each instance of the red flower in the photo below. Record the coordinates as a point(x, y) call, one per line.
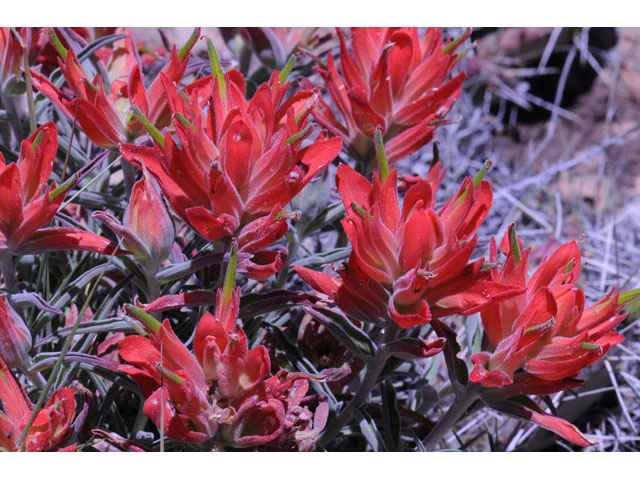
point(395, 79)
point(546, 330)
point(223, 384)
point(238, 163)
point(107, 117)
point(50, 425)
point(409, 263)
point(25, 209)
point(273, 413)
point(538, 341)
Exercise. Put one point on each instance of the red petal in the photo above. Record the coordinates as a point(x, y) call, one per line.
point(321, 282)
point(54, 239)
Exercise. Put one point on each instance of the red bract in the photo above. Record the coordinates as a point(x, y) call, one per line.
point(222, 385)
point(409, 263)
point(25, 209)
point(50, 425)
point(546, 331)
point(106, 117)
point(11, 56)
point(392, 78)
point(238, 162)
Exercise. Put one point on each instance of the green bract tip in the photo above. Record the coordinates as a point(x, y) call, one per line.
point(230, 277)
point(515, 246)
point(153, 131)
point(383, 164)
point(151, 323)
point(57, 44)
point(186, 48)
point(286, 70)
point(483, 171)
point(216, 70)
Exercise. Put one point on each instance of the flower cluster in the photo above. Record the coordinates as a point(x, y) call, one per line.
point(410, 262)
point(395, 79)
point(208, 176)
point(238, 162)
point(221, 391)
point(25, 209)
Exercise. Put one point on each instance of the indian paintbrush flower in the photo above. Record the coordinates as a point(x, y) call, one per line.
point(223, 387)
point(25, 209)
point(50, 425)
point(537, 342)
point(410, 262)
point(107, 117)
point(237, 163)
point(394, 79)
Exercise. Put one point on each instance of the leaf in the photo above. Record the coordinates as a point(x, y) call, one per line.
point(391, 416)
point(411, 349)
point(531, 413)
point(64, 296)
point(36, 300)
point(253, 304)
point(180, 270)
point(315, 261)
point(456, 367)
point(353, 338)
point(94, 326)
point(328, 215)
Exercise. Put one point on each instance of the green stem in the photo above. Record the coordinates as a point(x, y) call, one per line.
point(366, 387)
point(453, 415)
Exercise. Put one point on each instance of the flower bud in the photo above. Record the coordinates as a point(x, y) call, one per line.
point(147, 217)
point(15, 337)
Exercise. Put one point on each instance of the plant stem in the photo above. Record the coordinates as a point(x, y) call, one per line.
point(35, 377)
point(294, 245)
point(366, 387)
point(29, 87)
point(153, 288)
point(129, 175)
point(8, 270)
point(455, 413)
